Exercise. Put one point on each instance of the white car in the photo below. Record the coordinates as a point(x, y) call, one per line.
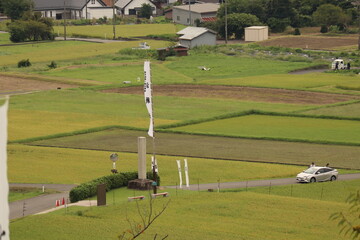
point(317, 174)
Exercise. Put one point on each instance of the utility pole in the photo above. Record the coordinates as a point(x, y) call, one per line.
point(189, 12)
point(86, 1)
point(357, 4)
point(64, 16)
point(114, 18)
point(226, 28)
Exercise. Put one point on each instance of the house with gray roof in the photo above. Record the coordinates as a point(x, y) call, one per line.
point(196, 36)
point(187, 14)
point(73, 9)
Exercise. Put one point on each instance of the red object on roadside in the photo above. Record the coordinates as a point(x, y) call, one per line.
point(57, 203)
point(63, 201)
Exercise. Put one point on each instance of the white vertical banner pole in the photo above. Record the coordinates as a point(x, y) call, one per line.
point(148, 96)
point(179, 168)
point(186, 173)
point(154, 164)
point(4, 185)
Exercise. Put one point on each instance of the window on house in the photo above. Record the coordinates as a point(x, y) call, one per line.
point(187, 20)
point(92, 1)
point(178, 18)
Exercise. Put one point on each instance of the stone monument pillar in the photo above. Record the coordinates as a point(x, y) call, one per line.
point(142, 158)
point(141, 183)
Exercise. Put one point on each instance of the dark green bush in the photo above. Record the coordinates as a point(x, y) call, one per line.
point(89, 189)
point(297, 31)
point(52, 64)
point(24, 63)
point(324, 29)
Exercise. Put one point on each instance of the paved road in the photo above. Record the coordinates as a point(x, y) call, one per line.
point(45, 202)
point(258, 183)
point(40, 203)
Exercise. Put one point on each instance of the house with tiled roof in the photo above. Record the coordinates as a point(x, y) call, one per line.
point(132, 7)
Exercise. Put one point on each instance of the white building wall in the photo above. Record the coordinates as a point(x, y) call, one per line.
point(100, 13)
point(182, 16)
point(204, 39)
point(138, 4)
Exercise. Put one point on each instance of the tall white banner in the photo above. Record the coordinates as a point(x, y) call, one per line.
point(186, 172)
point(148, 96)
point(179, 168)
point(4, 185)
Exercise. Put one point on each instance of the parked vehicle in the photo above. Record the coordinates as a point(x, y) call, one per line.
point(338, 64)
point(317, 174)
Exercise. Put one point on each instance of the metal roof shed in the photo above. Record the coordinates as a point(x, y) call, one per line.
point(196, 36)
point(256, 33)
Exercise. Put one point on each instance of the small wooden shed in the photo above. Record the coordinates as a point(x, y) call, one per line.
point(256, 33)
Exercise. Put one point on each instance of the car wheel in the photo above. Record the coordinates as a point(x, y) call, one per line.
point(312, 180)
point(333, 178)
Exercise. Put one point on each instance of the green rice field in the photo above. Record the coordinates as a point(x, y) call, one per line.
point(212, 147)
point(281, 127)
point(124, 31)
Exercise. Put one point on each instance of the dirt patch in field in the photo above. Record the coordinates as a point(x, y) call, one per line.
point(241, 93)
point(321, 43)
point(13, 85)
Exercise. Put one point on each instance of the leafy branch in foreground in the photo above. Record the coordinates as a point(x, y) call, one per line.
point(147, 216)
point(350, 221)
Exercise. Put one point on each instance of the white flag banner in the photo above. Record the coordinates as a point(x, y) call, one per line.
point(148, 96)
point(4, 185)
point(186, 172)
point(179, 168)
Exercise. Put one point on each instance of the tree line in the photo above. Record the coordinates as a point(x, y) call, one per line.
point(279, 14)
point(26, 25)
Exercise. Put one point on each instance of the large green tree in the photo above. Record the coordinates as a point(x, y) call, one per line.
point(15, 9)
point(236, 23)
point(329, 14)
point(145, 11)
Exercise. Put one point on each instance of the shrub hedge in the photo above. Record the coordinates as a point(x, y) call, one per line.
point(89, 189)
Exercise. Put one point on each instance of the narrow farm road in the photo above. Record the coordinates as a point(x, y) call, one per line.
point(257, 183)
point(40, 203)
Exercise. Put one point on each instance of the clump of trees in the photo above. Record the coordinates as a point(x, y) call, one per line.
point(25, 24)
point(279, 14)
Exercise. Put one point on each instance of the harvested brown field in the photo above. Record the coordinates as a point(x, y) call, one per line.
point(309, 42)
point(241, 93)
point(12, 85)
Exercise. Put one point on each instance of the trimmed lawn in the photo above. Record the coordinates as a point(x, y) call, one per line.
point(282, 128)
point(249, 216)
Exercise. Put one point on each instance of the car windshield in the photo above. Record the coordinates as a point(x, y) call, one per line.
point(310, 170)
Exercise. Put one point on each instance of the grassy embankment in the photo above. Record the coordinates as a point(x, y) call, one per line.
point(193, 215)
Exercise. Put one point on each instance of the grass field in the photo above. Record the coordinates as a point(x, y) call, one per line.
point(124, 31)
point(65, 50)
point(351, 110)
point(4, 39)
point(192, 215)
point(72, 110)
point(31, 164)
point(16, 194)
point(229, 67)
point(312, 81)
point(281, 127)
point(215, 147)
